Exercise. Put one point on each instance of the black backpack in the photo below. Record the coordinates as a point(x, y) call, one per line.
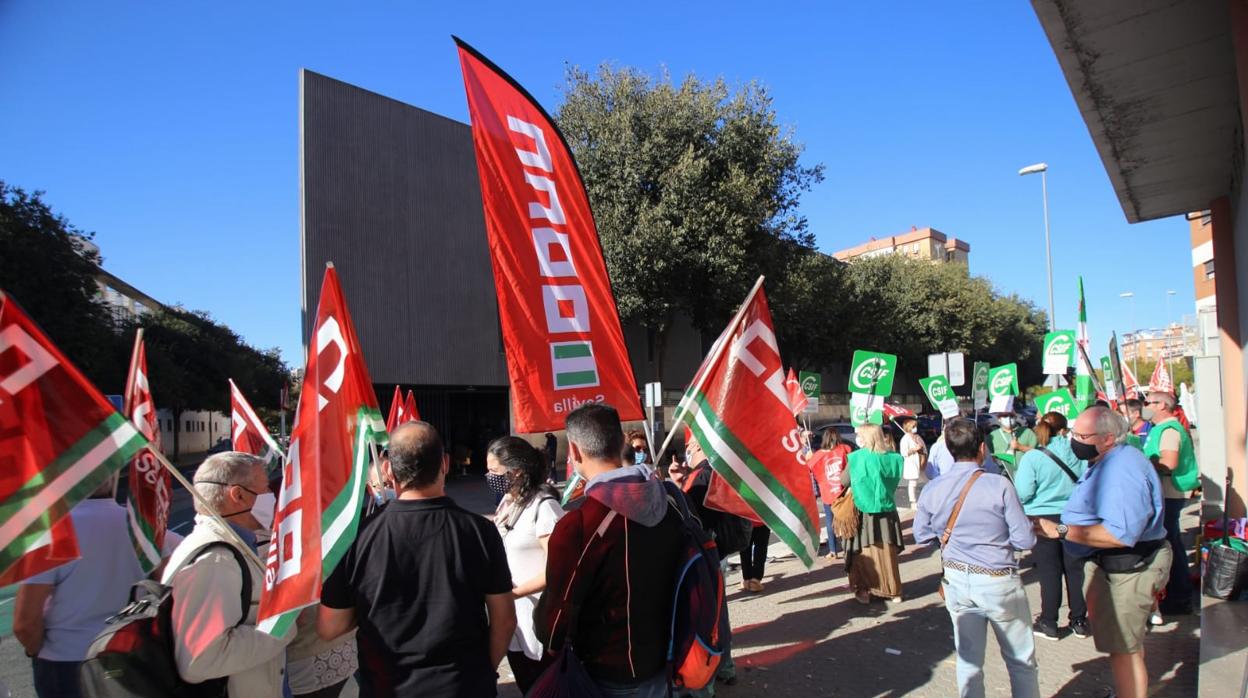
point(134, 656)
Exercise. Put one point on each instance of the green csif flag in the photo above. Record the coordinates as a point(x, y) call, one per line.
point(940, 394)
point(979, 384)
point(1059, 352)
point(1058, 401)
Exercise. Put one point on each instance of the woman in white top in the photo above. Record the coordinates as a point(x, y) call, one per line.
point(914, 451)
point(525, 518)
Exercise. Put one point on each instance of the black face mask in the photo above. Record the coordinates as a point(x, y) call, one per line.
point(1083, 451)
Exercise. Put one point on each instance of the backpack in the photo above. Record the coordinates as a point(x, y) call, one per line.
point(134, 655)
point(698, 626)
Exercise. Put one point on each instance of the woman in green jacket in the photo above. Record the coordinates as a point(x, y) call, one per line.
point(1046, 476)
point(871, 556)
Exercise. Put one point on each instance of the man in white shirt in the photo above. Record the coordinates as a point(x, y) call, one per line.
point(57, 614)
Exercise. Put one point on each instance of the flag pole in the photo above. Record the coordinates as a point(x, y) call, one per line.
point(683, 407)
point(208, 508)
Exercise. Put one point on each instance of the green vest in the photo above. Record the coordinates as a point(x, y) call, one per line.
point(1185, 476)
point(999, 445)
point(873, 479)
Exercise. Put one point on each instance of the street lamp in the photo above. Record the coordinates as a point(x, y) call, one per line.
point(1043, 168)
point(1135, 336)
point(1169, 363)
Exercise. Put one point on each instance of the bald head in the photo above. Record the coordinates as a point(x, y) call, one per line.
point(415, 455)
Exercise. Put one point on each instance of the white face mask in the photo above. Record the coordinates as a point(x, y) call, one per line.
point(1147, 413)
point(263, 509)
point(1006, 422)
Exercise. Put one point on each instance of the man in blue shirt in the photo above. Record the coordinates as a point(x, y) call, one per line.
point(1115, 518)
point(981, 581)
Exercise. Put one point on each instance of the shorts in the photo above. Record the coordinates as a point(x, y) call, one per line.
point(1119, 604)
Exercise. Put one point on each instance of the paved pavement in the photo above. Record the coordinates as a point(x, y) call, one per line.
point(806, 636)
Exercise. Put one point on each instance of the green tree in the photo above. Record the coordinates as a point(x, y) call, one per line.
point(694, 187)
point(913, 308)
point(190, 358)
point(48, 266)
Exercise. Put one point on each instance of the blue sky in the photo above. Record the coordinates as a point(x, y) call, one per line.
point(171, 130)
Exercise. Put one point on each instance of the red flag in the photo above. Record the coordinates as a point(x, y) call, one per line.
point(1129, 382)
point(895, 411)
point(248, 433)
point(409, 408)
point(739, 412)
point(151, 486)
point(797, 398)
point(1160, 382)
point(337, 422)
point(558, 316)
point(60, 440)
point(395, 417)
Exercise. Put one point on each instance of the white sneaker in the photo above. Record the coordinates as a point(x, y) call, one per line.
point(1156, 619)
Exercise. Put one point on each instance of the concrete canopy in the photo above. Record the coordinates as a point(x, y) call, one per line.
point(1155, 83)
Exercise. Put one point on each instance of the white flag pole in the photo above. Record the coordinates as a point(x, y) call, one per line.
point(683, 407)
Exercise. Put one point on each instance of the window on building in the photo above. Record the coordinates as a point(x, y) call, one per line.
point(1209, 270)
point(188, 425)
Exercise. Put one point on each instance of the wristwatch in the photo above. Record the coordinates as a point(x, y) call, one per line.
point(1061, 531)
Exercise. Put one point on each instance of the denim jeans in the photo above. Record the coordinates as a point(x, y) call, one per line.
point(834, 544)
point(653, 687)
point(1179, 589)
point(976, 601)
point(55, 679)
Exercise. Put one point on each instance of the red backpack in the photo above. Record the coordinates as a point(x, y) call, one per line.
point(696, 645)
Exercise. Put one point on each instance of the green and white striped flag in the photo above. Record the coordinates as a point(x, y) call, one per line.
point(64, 440)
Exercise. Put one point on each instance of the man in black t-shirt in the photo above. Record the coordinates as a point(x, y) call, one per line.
point(426, 582)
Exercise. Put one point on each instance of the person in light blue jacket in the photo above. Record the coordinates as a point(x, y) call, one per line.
point(1045, 479)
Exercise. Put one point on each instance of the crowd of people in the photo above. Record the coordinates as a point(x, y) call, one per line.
point(431, 598)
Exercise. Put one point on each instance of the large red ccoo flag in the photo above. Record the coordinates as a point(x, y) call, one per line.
point(151, 487)
point(337, 422)
point(60, 440)
point(739, 411)
point(560, 326)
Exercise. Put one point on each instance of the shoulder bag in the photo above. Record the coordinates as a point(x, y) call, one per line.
point(953, 519)
point(1065, 468)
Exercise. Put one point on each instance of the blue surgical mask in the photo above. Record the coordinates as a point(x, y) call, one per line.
point(639, 457)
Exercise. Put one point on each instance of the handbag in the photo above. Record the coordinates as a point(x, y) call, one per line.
point(845, 516)
point(953, 520)
point(1226, 568)
point(566, 678)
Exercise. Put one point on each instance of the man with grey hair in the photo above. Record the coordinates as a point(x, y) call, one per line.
point(1114, 520)
point(1169, 447)
point(215, 635)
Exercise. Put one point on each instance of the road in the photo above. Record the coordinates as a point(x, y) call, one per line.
point(806, 636)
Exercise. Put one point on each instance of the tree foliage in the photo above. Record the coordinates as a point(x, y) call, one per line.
point(49, 267)
point(694, 186)
point(913, 308)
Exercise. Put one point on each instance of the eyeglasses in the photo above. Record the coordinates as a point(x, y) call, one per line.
point(1084, 437)
point(227, 484)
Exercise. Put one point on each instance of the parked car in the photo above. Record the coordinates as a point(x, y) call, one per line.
point(845, 429)
point(930, 426)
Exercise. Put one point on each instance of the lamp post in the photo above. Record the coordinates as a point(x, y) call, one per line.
point(1135, 336)
point(1043, 168)
point(1169, 363)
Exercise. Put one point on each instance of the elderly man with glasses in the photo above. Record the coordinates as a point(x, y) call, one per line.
point(1114, 518)
point(1169, 447)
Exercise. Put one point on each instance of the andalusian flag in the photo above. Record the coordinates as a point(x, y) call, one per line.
point(337, 424)
point(739, 411)
point(151, 487)
point(60, 440)
point(1085, 394)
